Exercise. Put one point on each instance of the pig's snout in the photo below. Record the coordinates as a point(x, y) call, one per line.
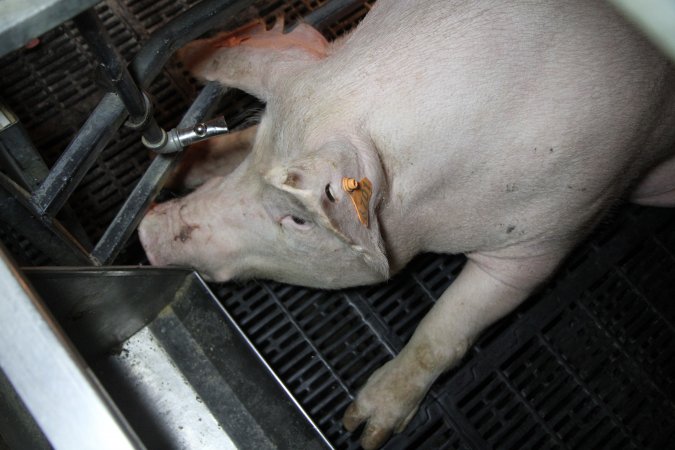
point(176, 233)
point(164, 236)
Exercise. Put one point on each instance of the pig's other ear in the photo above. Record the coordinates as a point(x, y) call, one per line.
point(253, 58)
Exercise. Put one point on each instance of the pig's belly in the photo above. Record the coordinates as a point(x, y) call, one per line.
point(658, 186)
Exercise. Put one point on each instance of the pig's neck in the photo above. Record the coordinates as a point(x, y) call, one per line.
point(343, 103)
point(402, 227)
point(400, 215)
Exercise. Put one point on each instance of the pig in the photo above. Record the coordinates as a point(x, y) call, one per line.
point(499, 130)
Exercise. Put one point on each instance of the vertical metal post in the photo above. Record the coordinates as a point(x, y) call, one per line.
point(115, 71)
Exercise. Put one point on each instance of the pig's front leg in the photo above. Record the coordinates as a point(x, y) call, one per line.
point(488, 288)
point(214, 157)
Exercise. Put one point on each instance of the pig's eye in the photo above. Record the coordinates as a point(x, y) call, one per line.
point(329, 194)
point(296, 222)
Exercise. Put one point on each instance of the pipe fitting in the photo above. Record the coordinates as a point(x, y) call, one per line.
point(179, 138)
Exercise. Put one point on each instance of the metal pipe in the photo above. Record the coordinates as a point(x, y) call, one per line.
point(331, 12)
point(115, 71)
point(109, 115)
point(129, 216)
point(111, 63)
point(188, 26)
point(179, 138)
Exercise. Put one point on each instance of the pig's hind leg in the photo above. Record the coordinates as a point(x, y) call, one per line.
point(214, 157)
point(488, 288)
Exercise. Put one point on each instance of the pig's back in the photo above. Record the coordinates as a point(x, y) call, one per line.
point(488, 104)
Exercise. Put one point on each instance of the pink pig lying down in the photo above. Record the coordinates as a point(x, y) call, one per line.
point(501, 130)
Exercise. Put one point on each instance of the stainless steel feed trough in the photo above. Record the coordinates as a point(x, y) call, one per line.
point(149, 359)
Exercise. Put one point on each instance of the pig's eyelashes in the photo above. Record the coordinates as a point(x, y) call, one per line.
point(296, 222)
point(329, 194)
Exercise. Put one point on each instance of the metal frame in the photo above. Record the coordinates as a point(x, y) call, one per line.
point(111, 111)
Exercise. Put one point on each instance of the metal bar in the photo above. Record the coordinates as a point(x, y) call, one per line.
point(17, 427)
point(54, 383)
point(80, 155)
point(188, 26)
point(115, 72)
point(48, 235)
point(24, 164)
point(129, 216)
point(110, 112)
point(331, 12)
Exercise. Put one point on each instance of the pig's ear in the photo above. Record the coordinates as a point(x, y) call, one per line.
point(319, 182)
point(253, 58)
point(360, 229)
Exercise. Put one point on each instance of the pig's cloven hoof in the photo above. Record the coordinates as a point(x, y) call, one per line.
point(388, 402)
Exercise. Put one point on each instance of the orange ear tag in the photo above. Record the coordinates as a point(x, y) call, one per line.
point(360, 193)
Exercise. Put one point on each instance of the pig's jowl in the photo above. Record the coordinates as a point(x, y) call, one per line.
point(501, 130)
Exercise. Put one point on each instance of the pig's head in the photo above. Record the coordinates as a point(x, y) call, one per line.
point(283, 214)
point(283, 219)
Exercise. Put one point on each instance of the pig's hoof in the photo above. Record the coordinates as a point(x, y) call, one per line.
point(387, 402)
